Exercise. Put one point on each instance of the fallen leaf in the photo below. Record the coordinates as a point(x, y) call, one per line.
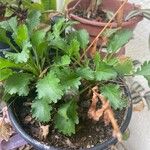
point(5, 130)
point(44, 131)
point(27, 119)
point(139, 107)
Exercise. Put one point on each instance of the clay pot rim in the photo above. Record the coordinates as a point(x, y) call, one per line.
point(102, 24)
point(133, 20)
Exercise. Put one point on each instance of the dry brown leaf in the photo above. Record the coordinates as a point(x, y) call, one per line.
point(95, 113)
point(27, 119)
point(5, 130)
point(25, 147)
point(44, 131)
point(139, 106)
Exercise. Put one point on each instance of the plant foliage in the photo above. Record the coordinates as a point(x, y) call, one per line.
point(46, 63)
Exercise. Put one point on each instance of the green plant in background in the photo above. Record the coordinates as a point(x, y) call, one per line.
point(50, 65)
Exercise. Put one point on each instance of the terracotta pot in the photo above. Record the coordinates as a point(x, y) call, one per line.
point(94, 27)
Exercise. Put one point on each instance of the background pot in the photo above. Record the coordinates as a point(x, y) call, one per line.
point(94, 27)
point(40, 146)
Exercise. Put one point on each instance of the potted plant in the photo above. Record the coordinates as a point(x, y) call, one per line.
point(93, 15)
point(65, 100)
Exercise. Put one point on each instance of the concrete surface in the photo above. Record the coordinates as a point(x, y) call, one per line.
point(138, 49)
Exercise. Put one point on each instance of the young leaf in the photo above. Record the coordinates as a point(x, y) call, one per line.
point(38, 37)
point(4, 63)
point(109, 32)
point(73, 48)
point(86, 73)
point(97, 60)
point(57, 28)
point(20, 57)
point(83, 38)
point(119, 39)
point(124, 66)
point(114, 95)
point(9, 25)
point(66, 118)
point(5, 73)
point(64, 61)
point(33, 6)
point(69, 79)
point(33, 20)
point(49, 88)
point(49, 4)
point(41, 110)
point(18, 84)
point(21, 35)
point(105, 72)
point(144, 70)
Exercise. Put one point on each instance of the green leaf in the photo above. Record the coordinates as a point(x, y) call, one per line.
point(124, 66)
point(9, 25)
point(114, 95)
point(38, 37)
point(97, 60)
point(21, 35)
point(73, 48)
point(18, 84)
point(49, 4)
point(109, 32)
point(13, 24)
point(64, 61)
point(20, 57)
point(83, 38)
point(105, 72)
point(57, 42)
point(42, 49)
point(41, 110)
point(86, 73)
point(119, 39)
point(144, 70)
point(3, 36)
point(49, 88)
point(32, 6)
point(58, 26)
point(4, 63)
point(69, 79)
point(33, 20)
point(66, 118)
point(5, 73)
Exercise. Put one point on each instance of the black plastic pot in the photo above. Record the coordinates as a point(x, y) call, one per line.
point(3, 47)
point(40, 146)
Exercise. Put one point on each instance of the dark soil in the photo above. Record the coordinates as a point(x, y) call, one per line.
point(100, 15)
point(88, 132)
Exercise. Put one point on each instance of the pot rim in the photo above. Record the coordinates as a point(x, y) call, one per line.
point(42, 146)
point(133, 20)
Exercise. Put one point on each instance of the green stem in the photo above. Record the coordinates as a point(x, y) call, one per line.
point(82, 91)
point(37, 59)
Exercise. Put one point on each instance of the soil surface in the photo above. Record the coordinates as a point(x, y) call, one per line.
point(100, 15)
point(88, 132)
